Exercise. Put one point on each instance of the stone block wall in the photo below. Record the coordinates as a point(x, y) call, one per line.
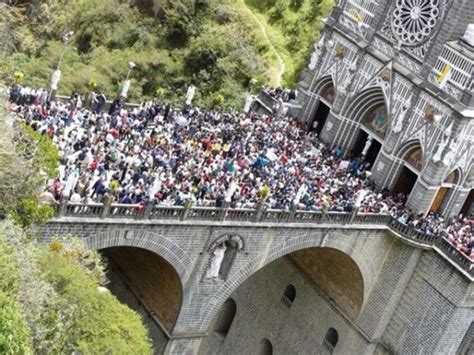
point(404, 286)
point(301, 329)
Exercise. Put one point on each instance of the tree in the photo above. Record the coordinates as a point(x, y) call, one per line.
point(156, 34)
point(27, 159)
point(67, 312)
point(92, 321)
point(15, 335)
point(10, 18)
point(14, 331)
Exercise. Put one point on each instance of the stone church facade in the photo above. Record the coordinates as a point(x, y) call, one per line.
point(392, 80)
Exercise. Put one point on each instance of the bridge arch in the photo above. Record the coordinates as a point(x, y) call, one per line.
point(150, 267)
point(335, 244)
point(326, 91)
point(150, 241)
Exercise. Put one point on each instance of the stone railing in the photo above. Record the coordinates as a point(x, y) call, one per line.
point(194, 213)
point(261, 215)
point(440, 242)
point(266, 100)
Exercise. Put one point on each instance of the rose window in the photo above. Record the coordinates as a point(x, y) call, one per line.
point(414, 20)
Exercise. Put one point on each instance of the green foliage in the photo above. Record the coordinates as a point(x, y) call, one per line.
point(160, 36)
point(96, 322)
point(218, 100)
point(278, 10)
point(50, 301)
point(295, 5)
point(9, 270)
point(46, 159)
point(14, 331)
point(10, 19)
point(29, 211)
point(27, 160)
point(294, 26)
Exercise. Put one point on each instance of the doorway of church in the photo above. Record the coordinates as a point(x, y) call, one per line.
point(319, 118)
point(368, 143)
point(439, 199)
point(468, 207)
point(406, 181)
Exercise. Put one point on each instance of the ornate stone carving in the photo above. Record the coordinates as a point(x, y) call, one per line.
point(347, 79)
point(469, 34)
point(316, 53)
point(421, 47)
point(445, 136)
point(449, 156)
point(216, 262)
point(409, 63)
point(413, 21)
point(400, 119)
point(383, 46)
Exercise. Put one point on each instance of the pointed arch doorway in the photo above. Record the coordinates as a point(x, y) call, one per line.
point(364, 139)
point(445, 192)
point(371, 133)
point(468, 206)
point(410, 170)
point(327, 95)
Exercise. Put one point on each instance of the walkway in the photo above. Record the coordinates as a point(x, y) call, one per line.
point(281, 63)
point(244, 217)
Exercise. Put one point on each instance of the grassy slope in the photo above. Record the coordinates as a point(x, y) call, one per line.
point(266, 34)
point(229, 44)
point(294, 48)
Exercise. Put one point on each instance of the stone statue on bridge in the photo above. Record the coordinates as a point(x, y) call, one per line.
point(216, 262)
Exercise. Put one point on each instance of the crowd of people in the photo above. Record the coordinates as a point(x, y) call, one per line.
point(154, 153)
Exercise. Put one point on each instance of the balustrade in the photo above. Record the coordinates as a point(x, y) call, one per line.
point(125, 210)
point(156, 212)
point(275, 216)
point(244, 214)
point(161, 212)
point(204, 213)
point(76, 209)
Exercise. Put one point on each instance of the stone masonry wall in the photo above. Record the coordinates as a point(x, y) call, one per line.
point(297, 330)
point(413, 300)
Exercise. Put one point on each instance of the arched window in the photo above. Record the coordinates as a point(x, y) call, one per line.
point(330, 340)
point(289, 295)
point(265, 347)
point(226, 317)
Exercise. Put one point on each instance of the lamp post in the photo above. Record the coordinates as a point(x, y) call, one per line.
point(126, 83)
point(57, 73)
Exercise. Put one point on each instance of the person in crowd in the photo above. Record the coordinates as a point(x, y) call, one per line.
point(156, 153)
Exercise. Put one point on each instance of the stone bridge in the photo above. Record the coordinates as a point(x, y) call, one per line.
point(368, 267)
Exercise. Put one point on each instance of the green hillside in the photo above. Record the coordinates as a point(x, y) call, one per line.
point(219, 46)
point(292, 26)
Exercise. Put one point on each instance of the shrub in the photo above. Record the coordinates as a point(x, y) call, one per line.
point(95, 322)
point(14, 331)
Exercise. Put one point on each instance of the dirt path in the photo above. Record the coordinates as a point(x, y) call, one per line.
point(281, 63)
